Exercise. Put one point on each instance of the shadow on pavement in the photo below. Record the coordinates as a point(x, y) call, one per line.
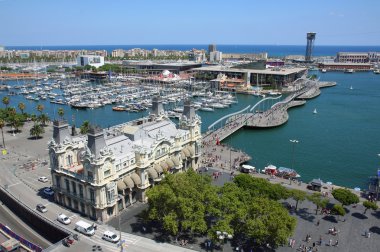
point(359, 216)
point(375, 230)
point(330, 218)
point(304, 214)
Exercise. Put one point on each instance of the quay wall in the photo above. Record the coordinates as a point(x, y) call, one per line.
point(46, 228)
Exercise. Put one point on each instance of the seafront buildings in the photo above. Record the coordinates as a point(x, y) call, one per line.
point(107, 170)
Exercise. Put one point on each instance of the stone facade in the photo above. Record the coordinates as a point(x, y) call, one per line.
point(107, 170)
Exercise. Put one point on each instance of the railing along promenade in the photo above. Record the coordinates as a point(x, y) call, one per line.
point(275, 116)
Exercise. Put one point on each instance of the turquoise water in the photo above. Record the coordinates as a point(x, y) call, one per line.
point(339, 144)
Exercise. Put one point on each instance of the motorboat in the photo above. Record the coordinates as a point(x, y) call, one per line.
point(349, 71)
point(323, 70)
point(208, 109)
point(119, 108)
point(377, 71)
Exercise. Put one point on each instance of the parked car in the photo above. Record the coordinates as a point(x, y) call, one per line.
point(48, 191)
point(63, 219)
point(41, 208)
point(43, 179)
point(110, 236)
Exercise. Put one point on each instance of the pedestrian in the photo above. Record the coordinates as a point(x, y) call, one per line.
point(293, 243)
point(330, 242)
point(336, 243)
point(318, 223)
point(320, 240)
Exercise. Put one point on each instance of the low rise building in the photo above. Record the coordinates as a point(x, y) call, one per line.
point(340, 66)
point(107, 170)
point(352, 57)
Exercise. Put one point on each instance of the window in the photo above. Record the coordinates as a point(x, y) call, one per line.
point(110, 196)
point(90, 176)
point(67, 185)
point(69, 160)
point(118, 167)
point(73, 185)
point(75, 204)
point(80, 191)
point(92, 195)
point(107, 173)
point(133, 161)
point(58, 181)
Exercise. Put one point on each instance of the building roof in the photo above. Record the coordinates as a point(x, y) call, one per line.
point(345, 64)
point(274, 71)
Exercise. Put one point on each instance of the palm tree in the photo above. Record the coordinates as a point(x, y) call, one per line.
point(36, 131)
point(40, 108)
point(21, 106)
point(43, 118)
point(2, 124)
point(61, 112)
point(6, 101)
point(85, 127)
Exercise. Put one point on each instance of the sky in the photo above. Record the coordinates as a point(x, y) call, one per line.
point(249, 22)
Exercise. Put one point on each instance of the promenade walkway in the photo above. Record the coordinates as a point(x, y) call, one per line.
point(275, 116)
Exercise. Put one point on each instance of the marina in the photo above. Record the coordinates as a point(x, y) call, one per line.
point(269, 146)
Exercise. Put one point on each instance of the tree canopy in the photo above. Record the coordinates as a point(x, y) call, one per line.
point(246, 208)
point(345, 196)
point(369, 205)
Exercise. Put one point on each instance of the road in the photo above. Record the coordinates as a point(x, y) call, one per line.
point(21, 167)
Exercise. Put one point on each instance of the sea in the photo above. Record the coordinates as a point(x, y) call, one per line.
point(339, 143)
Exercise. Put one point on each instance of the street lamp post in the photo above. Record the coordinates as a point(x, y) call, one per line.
point(294, 142)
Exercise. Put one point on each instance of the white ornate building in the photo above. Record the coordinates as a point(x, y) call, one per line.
point(107, 170)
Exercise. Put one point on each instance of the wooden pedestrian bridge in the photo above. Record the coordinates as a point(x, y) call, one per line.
point(275, 116)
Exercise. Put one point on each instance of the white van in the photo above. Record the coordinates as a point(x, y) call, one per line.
point(110, 236)
point(84, 228)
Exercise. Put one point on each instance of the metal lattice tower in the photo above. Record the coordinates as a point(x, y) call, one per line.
point(310, 45)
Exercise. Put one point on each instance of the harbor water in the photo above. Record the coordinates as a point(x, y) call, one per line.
point(339, 143)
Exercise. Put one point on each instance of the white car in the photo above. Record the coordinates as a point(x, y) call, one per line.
point(63, 219)
point(110, 236)
point(43, 179)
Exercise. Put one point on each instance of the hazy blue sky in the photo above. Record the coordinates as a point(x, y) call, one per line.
point(119, 22)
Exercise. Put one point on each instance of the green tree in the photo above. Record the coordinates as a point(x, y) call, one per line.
point(40, 108)
point(21, 106)
point(345, 196)
point(261, 187)
point(36, 131)
point(298, 196)
point(251, 216)
point(369, 205)
point(6, 101)
point(2, 125)
point(181, 202)
point(61, 113)
point(318, 201)
point(43, 119)
point(338, 210)
point(85, 127)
